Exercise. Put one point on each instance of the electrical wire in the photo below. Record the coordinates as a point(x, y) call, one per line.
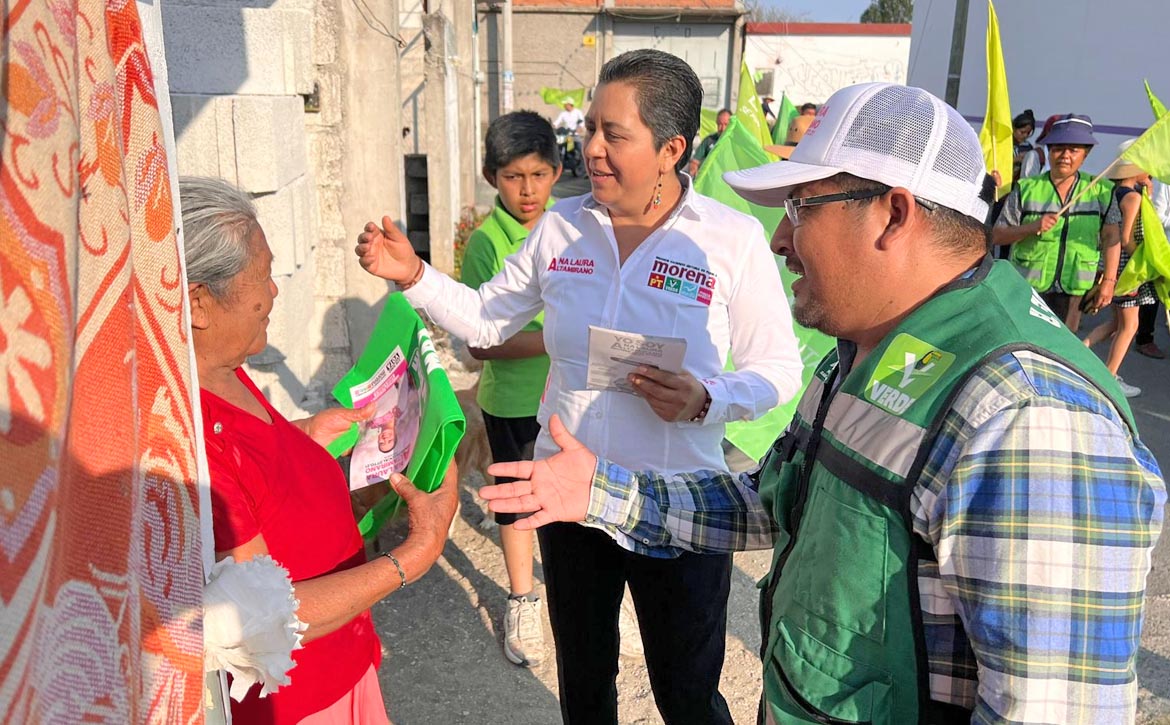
point(375, 24)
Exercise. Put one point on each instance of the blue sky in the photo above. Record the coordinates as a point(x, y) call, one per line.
point(824, 11)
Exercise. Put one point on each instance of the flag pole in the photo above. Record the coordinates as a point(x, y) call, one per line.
point(1085, 190)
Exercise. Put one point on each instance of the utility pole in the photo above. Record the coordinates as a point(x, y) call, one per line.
point(958, 47)
point(508, 78)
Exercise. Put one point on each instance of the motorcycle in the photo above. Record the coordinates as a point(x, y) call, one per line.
point(569, 147)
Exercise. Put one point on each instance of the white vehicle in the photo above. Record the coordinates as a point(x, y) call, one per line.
point(1061, 56)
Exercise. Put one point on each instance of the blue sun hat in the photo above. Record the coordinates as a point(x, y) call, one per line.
point(1070, 129)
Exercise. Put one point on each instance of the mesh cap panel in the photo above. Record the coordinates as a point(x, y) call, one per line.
point(892, 124)
point(956, 157)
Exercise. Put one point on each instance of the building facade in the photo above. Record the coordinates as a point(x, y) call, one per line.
point(809, 61)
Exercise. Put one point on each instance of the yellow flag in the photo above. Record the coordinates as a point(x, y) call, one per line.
point(750, 111)
point(1156, 105)
point(1151, 151)
point(996, 135)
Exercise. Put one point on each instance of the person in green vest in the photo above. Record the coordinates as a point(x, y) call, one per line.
point(722, 119)
point(962, 513)
point(1058, 252)
point(522, 164)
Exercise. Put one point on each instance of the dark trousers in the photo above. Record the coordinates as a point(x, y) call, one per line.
point(511, 439)
point(682, 612)
point(1147, 316)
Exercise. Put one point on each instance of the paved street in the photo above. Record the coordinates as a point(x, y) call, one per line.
point(1152, 409)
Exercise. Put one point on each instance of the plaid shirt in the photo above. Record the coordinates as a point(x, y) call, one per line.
point(1042, 510)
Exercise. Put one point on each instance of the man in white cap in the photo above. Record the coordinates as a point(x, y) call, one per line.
point(961, 510)
point(571, 118)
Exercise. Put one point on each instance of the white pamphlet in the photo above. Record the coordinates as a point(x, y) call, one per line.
point(614, 354)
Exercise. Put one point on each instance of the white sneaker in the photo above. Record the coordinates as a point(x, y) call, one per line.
point(1129, 391)
point(523, 632)
point(629, 636)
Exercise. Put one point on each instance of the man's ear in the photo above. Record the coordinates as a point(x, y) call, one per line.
point(200, 299)
point(903, 211)
point(489, 177)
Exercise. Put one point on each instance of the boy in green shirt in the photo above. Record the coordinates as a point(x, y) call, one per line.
point(521, 162)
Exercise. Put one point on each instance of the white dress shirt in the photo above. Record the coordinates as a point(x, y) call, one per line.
point(706, 275)
point(570, 119)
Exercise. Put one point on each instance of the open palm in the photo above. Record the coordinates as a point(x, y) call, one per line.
point(552, 489)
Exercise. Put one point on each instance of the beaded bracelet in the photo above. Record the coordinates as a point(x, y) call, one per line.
point(397, 566)
point(706, 407)
point(422, 267)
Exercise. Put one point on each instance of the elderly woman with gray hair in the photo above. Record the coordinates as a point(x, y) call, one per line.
point(643, 254)
point(275, 489)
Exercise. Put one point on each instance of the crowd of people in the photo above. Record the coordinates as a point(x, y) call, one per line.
point(962, 510)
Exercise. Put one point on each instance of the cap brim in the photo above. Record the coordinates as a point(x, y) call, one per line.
point(783, 152)
point(768, 185)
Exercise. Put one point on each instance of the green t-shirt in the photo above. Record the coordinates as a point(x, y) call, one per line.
point(703, 150)
point(507, 388)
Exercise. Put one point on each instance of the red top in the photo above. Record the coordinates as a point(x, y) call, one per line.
point(274, 480)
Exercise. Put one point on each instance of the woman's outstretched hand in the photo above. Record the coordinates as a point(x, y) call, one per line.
point(386, 252)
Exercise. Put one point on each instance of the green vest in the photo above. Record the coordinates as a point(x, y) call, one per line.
point(843, 634)
point(1068, 252)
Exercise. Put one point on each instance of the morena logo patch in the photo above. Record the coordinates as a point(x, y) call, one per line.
point(683, 279)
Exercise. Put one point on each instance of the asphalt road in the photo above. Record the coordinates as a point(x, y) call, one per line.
point(1152, 411)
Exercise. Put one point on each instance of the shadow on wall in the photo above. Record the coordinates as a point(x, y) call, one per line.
point(217, 50)
point(333, 343)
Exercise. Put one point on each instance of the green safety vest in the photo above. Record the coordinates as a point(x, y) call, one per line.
point(843, 634)
point(1068, 252)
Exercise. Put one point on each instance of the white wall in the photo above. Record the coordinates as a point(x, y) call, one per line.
point(1061, 56)
point(809, 68)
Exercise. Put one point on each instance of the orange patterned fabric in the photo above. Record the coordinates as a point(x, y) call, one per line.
point(100, 565)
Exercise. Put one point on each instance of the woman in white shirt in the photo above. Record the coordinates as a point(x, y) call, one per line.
point(645, 254)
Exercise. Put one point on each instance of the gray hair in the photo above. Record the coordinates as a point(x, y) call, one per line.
point(217, 220)
point(668, 91)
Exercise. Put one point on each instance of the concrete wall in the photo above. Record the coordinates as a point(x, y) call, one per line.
point(237, 72)
point(297, 103)
point(549, 49)
point(810, 67)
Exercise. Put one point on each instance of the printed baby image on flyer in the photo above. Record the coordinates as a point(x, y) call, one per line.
point(387, 440)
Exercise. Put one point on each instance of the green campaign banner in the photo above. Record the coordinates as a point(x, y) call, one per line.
point(557, 96)
point(707, 122)
point(739, 149)
point(417, 424)
point(784, 116)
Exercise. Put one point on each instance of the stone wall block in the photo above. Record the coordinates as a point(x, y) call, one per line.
point(202, 136)
point(298, 50)
point(279, 219)
point(270, 141)
point(330, 260)
point(325, 33)
point(228, 49)
point(305, 211)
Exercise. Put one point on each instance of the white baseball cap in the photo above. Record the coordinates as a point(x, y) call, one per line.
point(888, 133)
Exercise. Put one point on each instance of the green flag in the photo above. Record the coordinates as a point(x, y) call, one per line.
point(739, 149)
point(557, 96)
point(1157, 106)
point(1150, 262)
point(750, 111)
point(707, 122)
point(784, 116)
point(417, 424)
